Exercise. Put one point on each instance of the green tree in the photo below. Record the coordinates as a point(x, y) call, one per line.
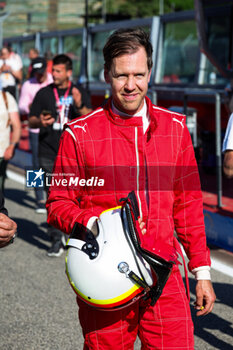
point(146, 8)
point(52, 14)
point(138, 8)
point(180, 5)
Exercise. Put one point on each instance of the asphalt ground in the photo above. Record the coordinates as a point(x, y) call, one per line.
point(38, 309)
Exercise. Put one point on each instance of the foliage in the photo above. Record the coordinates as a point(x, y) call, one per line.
point(136, 8)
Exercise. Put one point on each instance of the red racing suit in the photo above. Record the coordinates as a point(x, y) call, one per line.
point(160, 167)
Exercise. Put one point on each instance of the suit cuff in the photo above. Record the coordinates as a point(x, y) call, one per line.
point(202, 273)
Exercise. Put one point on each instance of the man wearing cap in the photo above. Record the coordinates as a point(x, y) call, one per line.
point(32, 54)
point(40, 78)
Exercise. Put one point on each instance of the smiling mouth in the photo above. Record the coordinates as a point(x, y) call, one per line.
point(130, 97)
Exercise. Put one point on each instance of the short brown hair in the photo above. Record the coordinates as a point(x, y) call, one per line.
point(126, 41)
point(63, 59)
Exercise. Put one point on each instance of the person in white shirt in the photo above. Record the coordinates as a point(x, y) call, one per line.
point(10, 131)
point(10, 70)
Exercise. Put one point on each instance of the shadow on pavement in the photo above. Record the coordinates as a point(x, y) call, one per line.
point(21, 197)
point(202, 325)
point(31, 233)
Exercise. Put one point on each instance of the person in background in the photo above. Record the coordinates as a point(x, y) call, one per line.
point(40, 78)
point(11, 72)
point(32, 54)
point(10, 131)
point(130, 132)
point(52, 107)
point(49, 59)
point(7, 226)
point(227, 149)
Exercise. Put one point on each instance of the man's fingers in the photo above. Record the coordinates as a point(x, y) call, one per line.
point(7, 226)
point(76, 92)
point(47, 116)
point(47, 119)
point(205, 297)
point(205, 310)
point(199, 303)
point(6, 223)
point(6, 241)
point(6, 234)
point(142, 225)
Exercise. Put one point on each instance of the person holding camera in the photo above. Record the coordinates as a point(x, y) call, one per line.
point(52, 107)
point(39, 79)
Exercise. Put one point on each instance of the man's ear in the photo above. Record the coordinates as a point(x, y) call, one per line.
point(149, 75)
point(69, 73)
point(106, 76)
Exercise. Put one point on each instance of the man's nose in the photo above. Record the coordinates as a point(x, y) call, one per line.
point(130, 83)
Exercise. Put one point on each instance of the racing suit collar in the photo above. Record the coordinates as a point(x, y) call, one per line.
point(122, 114)
point(142, 113)
point(131, 121)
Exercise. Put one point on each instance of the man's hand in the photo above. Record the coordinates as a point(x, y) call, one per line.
point(5, 68)
point(46, 120)
point(78, 101)
point(9, 152)
point(205, 297)
point(7, 229)
point(142, 226)
point(77, 97)
point(228, 163)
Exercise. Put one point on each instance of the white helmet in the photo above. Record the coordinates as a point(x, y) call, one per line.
point(109, 272)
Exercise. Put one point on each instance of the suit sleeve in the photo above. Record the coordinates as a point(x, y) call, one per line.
point(68, 202)
point(188, 205)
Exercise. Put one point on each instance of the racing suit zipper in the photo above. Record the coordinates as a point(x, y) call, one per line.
point(138, 171)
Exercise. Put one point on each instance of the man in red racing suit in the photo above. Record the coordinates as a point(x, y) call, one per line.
point(131, 144)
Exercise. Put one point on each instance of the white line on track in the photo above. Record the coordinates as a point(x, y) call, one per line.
point(16, 177)
point(218, 265)
point(221, 267)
